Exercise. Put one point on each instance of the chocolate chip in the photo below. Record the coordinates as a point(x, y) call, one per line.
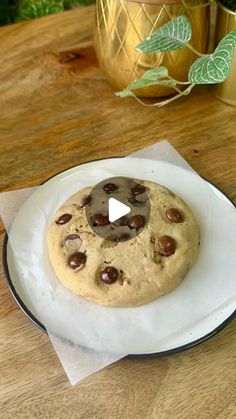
point(100, 220)
point(76, 260)
point(166, 245)
point(63, 219)
point(110, 187)
point(109, 275)
point(138, 189)
point(174, 215)
point(123, 237)
point(137, 221)
point(85, 201)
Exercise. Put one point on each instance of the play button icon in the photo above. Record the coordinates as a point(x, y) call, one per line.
point(116, 209)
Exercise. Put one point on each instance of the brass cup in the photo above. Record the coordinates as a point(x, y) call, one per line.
point(226, 22)
point(122, 24)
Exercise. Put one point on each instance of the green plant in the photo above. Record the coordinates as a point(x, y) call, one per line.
point(7, 11)
point(29, 9)
point(229, 4)
point(207, 69)
point(18, 10)
point(68, 4)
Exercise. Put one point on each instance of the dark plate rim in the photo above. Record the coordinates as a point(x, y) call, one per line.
point(41, 326)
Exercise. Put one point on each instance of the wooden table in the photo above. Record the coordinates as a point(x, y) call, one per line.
point(57, 110)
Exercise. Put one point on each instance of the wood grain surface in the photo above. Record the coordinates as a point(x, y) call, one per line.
point(57, 110)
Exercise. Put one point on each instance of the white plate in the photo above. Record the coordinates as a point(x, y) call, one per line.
point(54, 192)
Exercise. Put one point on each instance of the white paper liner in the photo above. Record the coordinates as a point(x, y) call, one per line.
point(100, 325)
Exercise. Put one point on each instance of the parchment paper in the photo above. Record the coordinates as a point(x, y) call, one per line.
point(97, 336)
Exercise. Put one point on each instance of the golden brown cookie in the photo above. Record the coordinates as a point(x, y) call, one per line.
point(124, 270)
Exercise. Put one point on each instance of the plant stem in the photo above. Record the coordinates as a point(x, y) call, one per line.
point(184, 93)
point(177, 90)
point(179, 82)
point(165, 102)
point(195, 51)
point(182, 82)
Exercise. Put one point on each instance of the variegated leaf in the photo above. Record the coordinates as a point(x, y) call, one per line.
point(173, 35)
point(215, 67)
point(150, 78)
point(155, 73)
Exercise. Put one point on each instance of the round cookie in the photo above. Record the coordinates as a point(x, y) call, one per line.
point(124, 273)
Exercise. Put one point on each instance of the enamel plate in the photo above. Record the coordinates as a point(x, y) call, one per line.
point(40, 304)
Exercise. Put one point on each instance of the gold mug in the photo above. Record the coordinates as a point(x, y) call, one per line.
point(122, 24)
point(226, 22)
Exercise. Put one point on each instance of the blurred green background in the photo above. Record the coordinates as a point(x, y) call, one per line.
point(18, 10)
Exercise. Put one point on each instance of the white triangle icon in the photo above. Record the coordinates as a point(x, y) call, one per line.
point(116, 209)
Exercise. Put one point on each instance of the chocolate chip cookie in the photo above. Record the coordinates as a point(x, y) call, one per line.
point(132, 261)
